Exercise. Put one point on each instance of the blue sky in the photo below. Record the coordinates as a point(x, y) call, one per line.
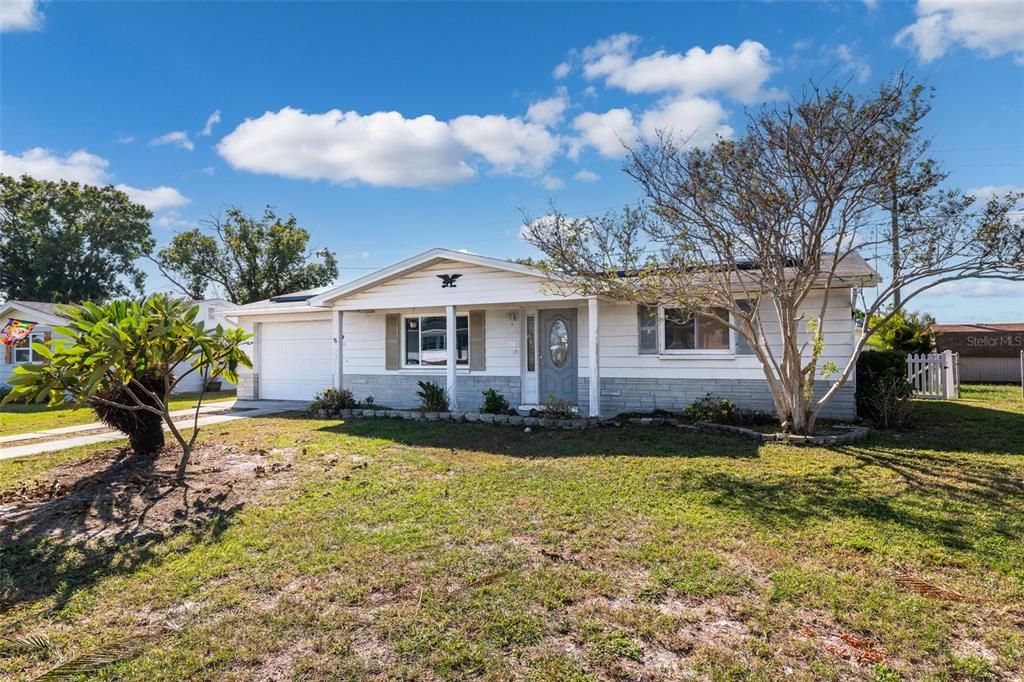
point(388, 129)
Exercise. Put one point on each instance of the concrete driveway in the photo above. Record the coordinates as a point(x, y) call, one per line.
point(89, 434)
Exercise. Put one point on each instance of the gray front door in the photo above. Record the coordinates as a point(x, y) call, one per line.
point(558, 354)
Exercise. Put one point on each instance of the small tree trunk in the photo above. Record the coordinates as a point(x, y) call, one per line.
point(183, 462)
point(186, 447)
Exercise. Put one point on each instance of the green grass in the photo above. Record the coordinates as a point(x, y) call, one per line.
point(473, 551)
point(16, 419)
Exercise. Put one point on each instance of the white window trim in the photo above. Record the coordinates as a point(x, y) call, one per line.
point(725, 353)
point(433, 368)
point(33, 337)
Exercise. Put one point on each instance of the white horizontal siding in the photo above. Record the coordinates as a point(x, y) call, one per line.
point(620, 357)
point(477, 286)
point(364, 343)
point(363, 349)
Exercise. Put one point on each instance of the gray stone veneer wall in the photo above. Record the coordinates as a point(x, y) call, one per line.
point(248, 386)
point(639, 395)
point(399, 390)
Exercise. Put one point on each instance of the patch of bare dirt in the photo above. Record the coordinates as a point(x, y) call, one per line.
point(88, 510)
point(116, 493)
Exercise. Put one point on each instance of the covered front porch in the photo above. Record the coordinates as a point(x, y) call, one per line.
point(530, 352)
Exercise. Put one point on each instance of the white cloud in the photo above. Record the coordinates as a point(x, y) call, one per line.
point(853, 63)
point(585, 175)
point(173, 220)
point(549, 112)
point(739, 72)
point(510, 145)
point(20, 15)
point(561, 71)
point(155, 199)
point(692, 122)
point(608, 132)
point(178, 138)
point(537, 225)
point(385, 148)
point(85, 168)
point(212, 120)
point(871, 4)
point(551, 183)
point(992, 27)
point(983, 194)
point(125, 139)
point(42, 164)
point(209, 170)
point(981, 288)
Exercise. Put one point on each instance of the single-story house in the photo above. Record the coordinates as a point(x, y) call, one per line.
point(988, 352)
point(212, 311)
point(45, 315)
point(469, 323)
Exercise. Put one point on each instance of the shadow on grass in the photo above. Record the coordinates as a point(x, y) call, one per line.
point(514, 442)
point(961, 426)
point(108, 522)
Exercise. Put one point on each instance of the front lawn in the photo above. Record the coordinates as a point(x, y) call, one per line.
point(16, 419)
point(383, 549)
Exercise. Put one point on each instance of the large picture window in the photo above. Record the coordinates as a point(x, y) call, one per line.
point(426, 341)
point(685, 331)
point(23, 349)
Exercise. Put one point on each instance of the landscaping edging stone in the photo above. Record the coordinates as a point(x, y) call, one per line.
point(851, 434)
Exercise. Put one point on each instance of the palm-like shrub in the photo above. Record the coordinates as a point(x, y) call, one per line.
point(131, 355)
point(433, 398)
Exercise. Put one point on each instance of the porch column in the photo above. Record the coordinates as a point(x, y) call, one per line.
point(594, 356)
point(338, 335)
point(451, 358)
point(257, 352)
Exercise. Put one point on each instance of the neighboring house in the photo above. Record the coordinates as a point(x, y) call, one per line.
point(212, 311)
point(989, 352)
point(470, 323)
point(46, 316)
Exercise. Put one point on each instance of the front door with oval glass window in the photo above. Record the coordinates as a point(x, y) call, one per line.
point(558, 352)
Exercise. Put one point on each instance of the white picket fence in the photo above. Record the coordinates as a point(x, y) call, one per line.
point(934, 375)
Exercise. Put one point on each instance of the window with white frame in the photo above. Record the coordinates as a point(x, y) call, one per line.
point(684, 332)
point(23, 349)
point(426, 341)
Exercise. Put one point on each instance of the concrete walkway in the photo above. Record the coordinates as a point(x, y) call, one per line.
point(214, 413)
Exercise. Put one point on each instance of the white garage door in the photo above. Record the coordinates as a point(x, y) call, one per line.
point(295, 359)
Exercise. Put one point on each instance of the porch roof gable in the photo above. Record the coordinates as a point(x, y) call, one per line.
point(422, 260)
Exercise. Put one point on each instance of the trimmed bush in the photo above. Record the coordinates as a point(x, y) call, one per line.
point(494, 403)
point(714, 410)
point(883, 392)
point(433, 398)
point(333, 399)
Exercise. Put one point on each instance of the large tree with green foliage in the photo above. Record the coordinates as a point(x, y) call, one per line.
point(129, 356)
point(64, 242)
point(246, 259)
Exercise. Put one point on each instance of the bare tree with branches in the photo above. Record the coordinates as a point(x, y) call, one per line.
point(746, 230)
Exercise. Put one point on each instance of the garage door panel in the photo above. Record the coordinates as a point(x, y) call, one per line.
point(295, 359)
